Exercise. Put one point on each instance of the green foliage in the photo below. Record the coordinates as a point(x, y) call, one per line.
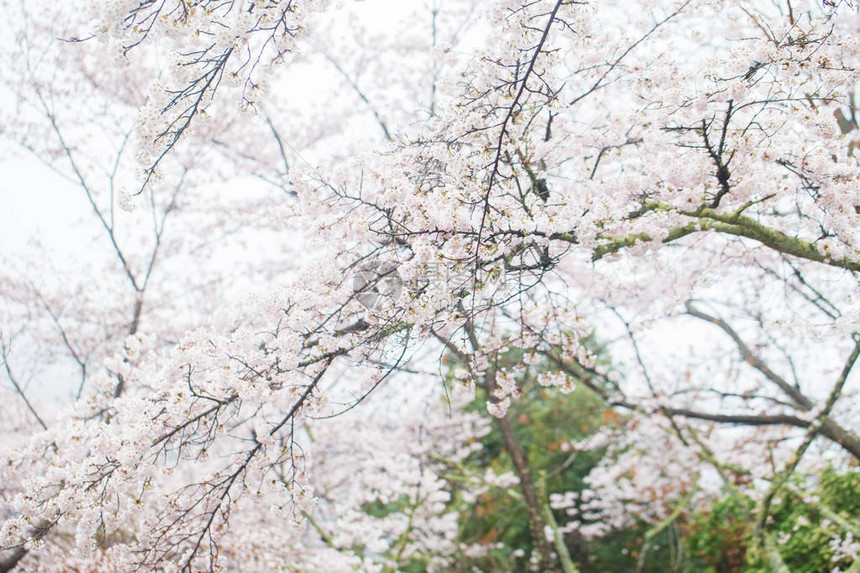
point(841, 491)
point(545, 422)
point(379, 508)
point(718, 534)
point(711, 537)
point(805, 528)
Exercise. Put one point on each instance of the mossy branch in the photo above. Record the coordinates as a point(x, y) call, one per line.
point(676, 513)
point(567, 564)
point(737, 224)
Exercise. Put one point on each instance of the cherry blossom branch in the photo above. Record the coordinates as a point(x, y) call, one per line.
point(82, 364)
point(198, 92)
point(88, 191)
point(837, 434)
point(4, 354)
point(352, 83)
point(617, 61)
point(503, 131)
point(188, 562)
point(716, 154)
point(752, 359)
point(280, 141)
point(826, 511)
point(830, 429)
point(708, 219)
point(218, 44)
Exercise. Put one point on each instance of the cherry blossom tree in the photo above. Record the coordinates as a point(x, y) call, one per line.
point(519, 178)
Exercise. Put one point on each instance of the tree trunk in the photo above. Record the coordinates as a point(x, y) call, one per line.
point(512, 445)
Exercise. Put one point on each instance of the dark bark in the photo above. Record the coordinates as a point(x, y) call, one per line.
point(830, 429)
point(519, 457)
point(11, 561)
